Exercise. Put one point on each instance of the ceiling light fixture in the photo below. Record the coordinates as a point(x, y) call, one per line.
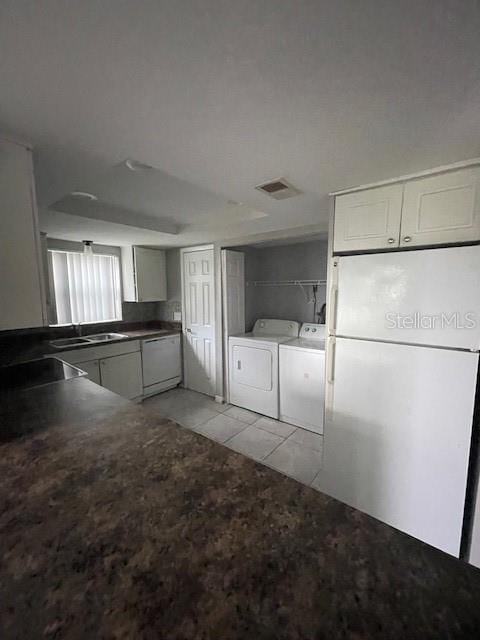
point(83, 194)
point(87, 247)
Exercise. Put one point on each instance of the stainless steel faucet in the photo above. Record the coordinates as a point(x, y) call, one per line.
point(77, 329)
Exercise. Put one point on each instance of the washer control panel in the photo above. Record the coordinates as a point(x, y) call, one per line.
point(312, 331)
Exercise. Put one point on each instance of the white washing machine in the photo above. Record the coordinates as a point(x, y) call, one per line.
point(302, 378)
point(253, 365)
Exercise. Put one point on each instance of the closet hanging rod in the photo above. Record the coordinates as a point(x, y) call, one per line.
point(286, 283)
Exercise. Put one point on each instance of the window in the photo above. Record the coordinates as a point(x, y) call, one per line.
point(86, 287)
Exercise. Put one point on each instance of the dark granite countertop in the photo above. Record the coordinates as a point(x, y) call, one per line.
point(36, 373)
point(24, 347)
point(115, 523)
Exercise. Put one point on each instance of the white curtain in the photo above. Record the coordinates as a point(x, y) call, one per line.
point(87, 287)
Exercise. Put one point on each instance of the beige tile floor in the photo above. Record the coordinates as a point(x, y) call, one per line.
point(293, 451)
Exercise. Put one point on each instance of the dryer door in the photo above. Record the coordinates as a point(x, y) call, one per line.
point(254, 376)
point(252, 367)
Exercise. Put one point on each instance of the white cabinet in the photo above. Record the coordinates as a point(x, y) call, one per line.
point(442, 209)
point(117, 366)
point(92, 369)
point(22, 301)
point(369, 219)
point(438, 209)
point(144, 274)
point(123, 375)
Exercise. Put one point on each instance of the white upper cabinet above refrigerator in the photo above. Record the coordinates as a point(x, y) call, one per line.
point(438, 209)
point(367, 220)
point(442, 209)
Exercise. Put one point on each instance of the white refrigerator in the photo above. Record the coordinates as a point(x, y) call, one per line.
point(402, 370)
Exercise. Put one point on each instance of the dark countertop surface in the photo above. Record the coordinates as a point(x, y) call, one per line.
point(116, 523)
point(16, 350)
point(36, 373)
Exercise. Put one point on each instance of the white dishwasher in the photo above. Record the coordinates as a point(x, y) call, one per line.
point(162, 364)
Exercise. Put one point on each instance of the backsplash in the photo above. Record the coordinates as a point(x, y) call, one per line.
point(165, 310)
point(140, 311)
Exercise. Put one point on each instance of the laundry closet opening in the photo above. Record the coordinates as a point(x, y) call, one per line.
point(274, 297)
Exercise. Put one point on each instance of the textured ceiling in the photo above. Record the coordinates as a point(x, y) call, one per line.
point(221, 96)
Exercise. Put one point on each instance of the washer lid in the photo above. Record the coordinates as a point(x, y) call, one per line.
point(274, 327)
point(245, 337)
point(303, 343)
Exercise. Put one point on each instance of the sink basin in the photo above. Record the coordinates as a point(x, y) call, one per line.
point(105, 337)
point(68, 342)
point(96, 337)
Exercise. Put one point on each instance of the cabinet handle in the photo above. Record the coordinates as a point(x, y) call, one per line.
point(391, 240)
point(407, 238)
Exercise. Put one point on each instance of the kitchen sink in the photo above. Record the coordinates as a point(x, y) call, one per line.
point(68, 342)
point(105, 337)
point(97, 337)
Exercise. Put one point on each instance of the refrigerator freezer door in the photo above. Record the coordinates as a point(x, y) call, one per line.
point(428, 297)
point(397, 436)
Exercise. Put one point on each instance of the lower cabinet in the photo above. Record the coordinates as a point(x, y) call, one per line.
point(117, 366)
point(92, 369)
point(123, 375)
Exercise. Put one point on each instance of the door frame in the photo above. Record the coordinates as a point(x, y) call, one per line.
point(183, 251)
point(225, 331)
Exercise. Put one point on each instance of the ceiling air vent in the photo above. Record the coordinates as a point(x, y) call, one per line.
point(279, 189)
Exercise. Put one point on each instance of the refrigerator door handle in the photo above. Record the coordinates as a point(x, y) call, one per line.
point(332, 316)
point(331, 361)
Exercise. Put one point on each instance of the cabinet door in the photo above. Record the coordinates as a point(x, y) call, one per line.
point(21, 285)
point(442, 209)
point(123, 375)
point(151, 274)
point(92, 369)
point(368, 219)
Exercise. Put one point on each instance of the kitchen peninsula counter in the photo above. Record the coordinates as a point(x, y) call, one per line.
point(117, 523)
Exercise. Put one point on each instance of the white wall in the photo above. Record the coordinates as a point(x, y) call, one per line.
point(307, 260)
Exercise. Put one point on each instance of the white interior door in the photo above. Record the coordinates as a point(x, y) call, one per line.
point(233, 299)
point(199, 319)
point(397, 438)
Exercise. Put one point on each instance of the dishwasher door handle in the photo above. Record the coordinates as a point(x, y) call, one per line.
point(171, 336)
